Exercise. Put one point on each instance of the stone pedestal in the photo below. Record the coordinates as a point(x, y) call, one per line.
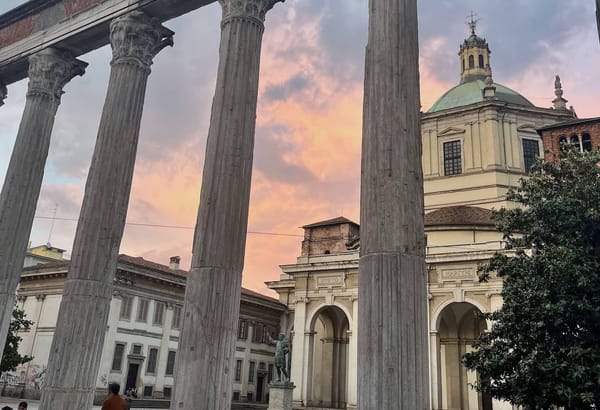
point(280, 396)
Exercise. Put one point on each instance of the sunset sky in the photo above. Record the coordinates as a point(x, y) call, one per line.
point(307, 151)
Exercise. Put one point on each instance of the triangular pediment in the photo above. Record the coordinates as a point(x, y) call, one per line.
point(527, 128)
point(450, 131)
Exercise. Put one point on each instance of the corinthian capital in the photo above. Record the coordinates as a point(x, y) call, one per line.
point(136, 38)
point(50, 70)
point(250, 9)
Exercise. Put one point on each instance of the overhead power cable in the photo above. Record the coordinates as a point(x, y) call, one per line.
point(149, 225)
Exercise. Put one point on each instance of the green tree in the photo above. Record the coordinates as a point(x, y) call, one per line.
point(11, 357)
point(543, 349)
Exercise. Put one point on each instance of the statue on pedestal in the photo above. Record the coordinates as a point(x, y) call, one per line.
point(282, 350)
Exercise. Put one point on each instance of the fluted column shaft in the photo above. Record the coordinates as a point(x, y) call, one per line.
point(49, 71)
point(392, 369)
point(207, 344)
point(82, 318)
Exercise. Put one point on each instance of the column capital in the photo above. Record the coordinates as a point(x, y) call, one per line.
point(3, 93)
point(50, 70)
point(247, 9)
point(137, 38)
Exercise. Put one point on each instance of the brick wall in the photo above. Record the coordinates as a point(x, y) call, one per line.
point(551, 137)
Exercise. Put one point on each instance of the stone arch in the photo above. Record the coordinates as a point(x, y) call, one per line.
point(314, 312)
point(435, 317)
point(458, 325)
point(327, 364)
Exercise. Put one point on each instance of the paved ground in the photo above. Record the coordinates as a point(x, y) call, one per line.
point(33, 404)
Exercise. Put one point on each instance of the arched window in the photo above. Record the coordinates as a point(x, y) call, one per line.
point(562, 142)
point(586, 141)
point(463, 64)
point(480, 61)
point(575, 142)
point(471, 62)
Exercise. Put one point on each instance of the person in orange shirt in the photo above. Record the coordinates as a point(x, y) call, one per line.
point(114, 401)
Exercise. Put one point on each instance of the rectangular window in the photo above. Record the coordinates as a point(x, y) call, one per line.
point(126, 307)
point(238, 370)
point(177, 317)
point(167, 391)
point(257, 335)
point(142, 313)
point(148, 391)
point(249, 396)
point(270, 375)
point(152, 356)
point(159, 313)
point(251, 372)
point(136, 349)
point(118, 356)
point(170, 363)
point(236, 396)
point(531, 150)
point(452, 158)
point(243, 329)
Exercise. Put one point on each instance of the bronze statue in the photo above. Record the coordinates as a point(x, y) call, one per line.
point(281, 350)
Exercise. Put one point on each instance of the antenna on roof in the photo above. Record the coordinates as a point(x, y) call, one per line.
point(52, 225)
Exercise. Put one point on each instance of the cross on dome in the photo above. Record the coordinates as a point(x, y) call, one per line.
point(472, 23)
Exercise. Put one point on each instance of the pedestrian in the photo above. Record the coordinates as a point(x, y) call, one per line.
point(7, 408)
point(114, 401)
point(22, 406)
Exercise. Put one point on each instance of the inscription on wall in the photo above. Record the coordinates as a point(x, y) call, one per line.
point(330, 282)
point(458, 274)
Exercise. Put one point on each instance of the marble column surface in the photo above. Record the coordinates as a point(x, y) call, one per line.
point(81, 327)
point(392, 334)
point(49, 71)
point(207, 344)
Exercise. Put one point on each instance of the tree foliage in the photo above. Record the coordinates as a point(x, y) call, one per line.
point(543, 349)
point(11, 357)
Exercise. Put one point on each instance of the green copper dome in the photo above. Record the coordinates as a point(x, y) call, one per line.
point(471, 92)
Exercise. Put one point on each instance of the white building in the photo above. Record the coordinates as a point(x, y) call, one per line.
point(478, 140)
point(140, 348)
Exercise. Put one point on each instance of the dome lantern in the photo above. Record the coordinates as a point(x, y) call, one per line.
point(474, 55)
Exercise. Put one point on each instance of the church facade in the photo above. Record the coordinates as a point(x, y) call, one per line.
point(478, 140)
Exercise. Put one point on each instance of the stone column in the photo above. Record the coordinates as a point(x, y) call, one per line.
point(212, 299)
point(49, 71)
point(298, 350)
point(81, 327)
point(392, 336)
point(353, 357)
point(435, 367)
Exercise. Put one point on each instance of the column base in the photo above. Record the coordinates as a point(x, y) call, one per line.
point(280, 396)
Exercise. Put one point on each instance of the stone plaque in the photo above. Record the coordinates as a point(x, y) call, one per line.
point(330, 282)
point(458, 274)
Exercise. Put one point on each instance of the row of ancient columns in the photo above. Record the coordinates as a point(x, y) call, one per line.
point(392, 367)
point(212, 297)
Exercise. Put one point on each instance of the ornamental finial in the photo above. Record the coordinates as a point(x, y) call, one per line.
point(472, 22)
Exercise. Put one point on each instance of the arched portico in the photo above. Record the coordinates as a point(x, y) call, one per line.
point(456, 326)
point(327, 359)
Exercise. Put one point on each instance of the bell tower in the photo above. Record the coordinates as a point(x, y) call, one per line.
point(474, 55)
